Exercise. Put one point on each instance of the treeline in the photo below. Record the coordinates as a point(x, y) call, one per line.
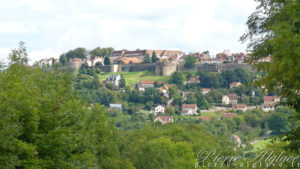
point(81, 52)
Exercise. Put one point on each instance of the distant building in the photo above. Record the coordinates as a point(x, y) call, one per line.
point(115, 106)
point(229, 99)
point(159, 109)
point(75, 63)
point(143, 84)
point(241, 107)
point(114, 79)
point(127, 60)
point(189, 109)
point(236, 139)
point(164, 119)
point(268, 107)
point(48, 62)
point(235, 84)
point(229, 115)
point(140, 54)
point(210, 61)
point(192, 81)
point(204, 118)
point(204, 91)
point(271, 99)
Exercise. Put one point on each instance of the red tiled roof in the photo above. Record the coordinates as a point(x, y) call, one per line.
point(232, 96)
point(270, 98)
point(235, 83)
point(205, 89)
point(205, 118)
point(189, 106)
point(133, 60)
point(230, 115)
point(146, 82)
point(164, 118)
point(239, 106)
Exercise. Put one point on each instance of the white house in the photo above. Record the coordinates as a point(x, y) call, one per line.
point(114, 79)
point(115, 106)
point(231, 98)
point(159, 109)
point(204, 91)
point(268, 107)
point(270, 103)
point(235, 84)
point(189, 109)
point(164, 119)
point(48, 62)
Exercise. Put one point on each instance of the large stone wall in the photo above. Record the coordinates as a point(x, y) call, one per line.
point(214, 67)
point(128, 68)
point(138, 67)
point(166, 68)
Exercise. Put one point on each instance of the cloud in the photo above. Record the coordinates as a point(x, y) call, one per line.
point(51, 27)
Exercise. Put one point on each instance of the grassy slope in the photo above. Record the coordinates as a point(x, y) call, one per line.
point(135, 77)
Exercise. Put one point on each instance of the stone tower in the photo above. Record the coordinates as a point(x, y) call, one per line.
point(165, 68)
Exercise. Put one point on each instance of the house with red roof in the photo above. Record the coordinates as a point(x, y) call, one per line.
point(241, 107)
point(164, 119)
point(270, 103)
point(204, 118)
point(229, 115)
point(230, 98)
point(204, 91)
point(235, 84)
point(189, 109)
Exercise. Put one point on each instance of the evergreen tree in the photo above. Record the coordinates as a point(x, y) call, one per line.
point(107, 61)
point(122, 82)
point(154, 57)
point(147, 58)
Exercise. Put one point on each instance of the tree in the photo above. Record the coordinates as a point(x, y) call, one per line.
point(274, 30)
point(63, 59)
point(202, 102)
point(19, 55)
point(107, 61)
point(122, 82)
point(277, 123)
point(154, 57)
point(228, 77)
point(177, 78)
point(102, 52)
point(44, 124)
point(147, 58)
point(210, 80)
point(96, 52)
point(77, 53)
point(190, 62)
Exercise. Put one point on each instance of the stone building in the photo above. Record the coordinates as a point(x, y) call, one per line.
point(165, 68)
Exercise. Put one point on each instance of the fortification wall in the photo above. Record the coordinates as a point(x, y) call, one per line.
point(214, 67)
point(165, 68)
point(138, 67)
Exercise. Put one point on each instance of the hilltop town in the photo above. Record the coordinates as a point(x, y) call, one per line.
point(141, 87)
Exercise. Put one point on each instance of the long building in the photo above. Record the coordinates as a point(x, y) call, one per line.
point(140, 54)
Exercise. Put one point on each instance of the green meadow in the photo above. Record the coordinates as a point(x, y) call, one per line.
point(135, 77)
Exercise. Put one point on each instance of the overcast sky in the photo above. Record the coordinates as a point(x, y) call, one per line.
point(51, 27)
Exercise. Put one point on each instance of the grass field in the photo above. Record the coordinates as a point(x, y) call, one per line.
point(260, 144)
point(135, 77)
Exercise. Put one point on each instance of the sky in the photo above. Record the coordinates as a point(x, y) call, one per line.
point(52, 27)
